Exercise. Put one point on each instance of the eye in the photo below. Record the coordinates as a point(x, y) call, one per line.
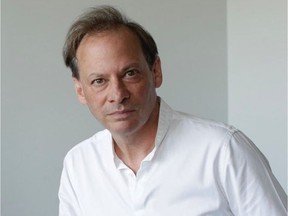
point(131, 73)
point(98, 81)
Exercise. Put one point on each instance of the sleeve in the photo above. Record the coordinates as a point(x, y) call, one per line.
point(249, 184)
point(68, 201)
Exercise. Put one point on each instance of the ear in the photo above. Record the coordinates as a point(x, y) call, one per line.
point(157, 72)
point(79, 91)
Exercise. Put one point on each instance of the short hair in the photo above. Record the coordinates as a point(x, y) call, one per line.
point(101, 19)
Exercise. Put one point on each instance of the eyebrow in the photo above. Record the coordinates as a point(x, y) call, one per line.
point(95, 74)
point(132, 65)
point(124, 69)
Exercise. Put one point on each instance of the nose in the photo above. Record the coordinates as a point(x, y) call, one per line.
point(118, 92)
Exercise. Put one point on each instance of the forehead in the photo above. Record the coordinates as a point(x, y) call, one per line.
point(113, 38)
point(113, 48)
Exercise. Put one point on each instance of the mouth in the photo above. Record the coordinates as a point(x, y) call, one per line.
point(121, 114)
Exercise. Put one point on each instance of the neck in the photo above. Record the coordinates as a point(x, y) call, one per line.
point(134, 148)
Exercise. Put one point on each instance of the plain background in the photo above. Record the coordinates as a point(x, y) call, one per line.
point(222, 60)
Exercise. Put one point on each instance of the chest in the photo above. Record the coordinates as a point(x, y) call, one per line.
point(166, 185)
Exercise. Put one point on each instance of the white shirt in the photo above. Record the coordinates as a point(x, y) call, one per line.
point(198, 167)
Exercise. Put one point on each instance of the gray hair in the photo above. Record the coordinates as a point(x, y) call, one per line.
point(101, 19)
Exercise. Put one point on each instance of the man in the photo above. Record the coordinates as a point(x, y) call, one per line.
point(151, 160)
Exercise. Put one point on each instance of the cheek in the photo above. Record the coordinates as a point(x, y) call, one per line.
point(94, 101)
point(144, 88)
point(96, 109)
point(146, 96)
point(149, 89)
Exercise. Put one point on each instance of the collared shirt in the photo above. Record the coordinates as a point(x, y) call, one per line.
point(198, 167)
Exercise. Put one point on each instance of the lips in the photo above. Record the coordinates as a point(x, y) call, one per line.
point(121, 114)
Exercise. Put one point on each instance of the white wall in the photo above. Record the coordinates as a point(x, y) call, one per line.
point(257, 76)
point(41, 117)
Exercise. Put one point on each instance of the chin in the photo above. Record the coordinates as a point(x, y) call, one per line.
point(123, 128)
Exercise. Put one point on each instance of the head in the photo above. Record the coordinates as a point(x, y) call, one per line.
point(102, 19)
point(116, 70)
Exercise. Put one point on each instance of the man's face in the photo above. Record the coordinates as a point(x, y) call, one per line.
point(116, 82)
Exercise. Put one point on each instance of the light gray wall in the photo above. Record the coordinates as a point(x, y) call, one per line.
point(257, 76)
point(0, 112)
point(41, 117)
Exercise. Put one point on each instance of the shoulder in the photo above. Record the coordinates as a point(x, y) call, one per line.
point(194, 130)
point(201, 126)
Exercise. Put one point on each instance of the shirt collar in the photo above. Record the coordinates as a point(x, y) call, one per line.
point(165, 117)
